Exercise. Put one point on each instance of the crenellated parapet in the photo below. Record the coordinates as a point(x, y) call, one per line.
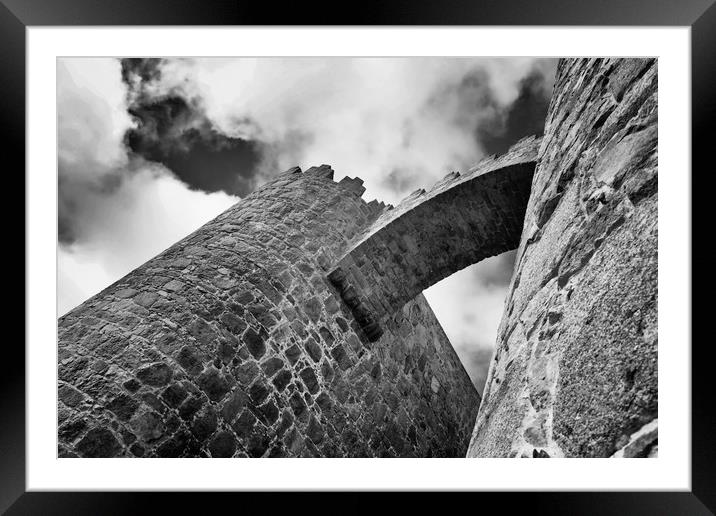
point(293, 324)
point(232, 343)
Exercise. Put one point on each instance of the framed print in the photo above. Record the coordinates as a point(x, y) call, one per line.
point(392, 252)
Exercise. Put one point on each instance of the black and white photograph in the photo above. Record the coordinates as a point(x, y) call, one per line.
point(344, 257)
point(339, 251)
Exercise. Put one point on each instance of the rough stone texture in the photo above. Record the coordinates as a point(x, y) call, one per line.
point(575, 370)
point(233, 343)
point(293, 324)
point(642, 443)
point(430, 235)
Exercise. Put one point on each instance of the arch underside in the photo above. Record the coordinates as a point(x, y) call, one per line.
point(430, 235)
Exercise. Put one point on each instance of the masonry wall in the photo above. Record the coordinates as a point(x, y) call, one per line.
point(575, 371)
point(233, 343)
point(432, 234)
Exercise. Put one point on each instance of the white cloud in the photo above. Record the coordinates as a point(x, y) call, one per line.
point(124, 211)
point(365, 117)
point(148, 213)
point(469, 306)
point(92, 116)
point(79, 276)
point(399, 124)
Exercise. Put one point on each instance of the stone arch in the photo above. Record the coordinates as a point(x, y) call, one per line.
point(432, 234)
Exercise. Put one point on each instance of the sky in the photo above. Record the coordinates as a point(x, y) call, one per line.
point(150, 149)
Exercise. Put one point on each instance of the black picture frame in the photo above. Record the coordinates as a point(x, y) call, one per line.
point(17, 15)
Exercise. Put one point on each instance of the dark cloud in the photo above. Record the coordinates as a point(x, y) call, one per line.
point(169, 130)
point(141, 69)
point(76, 209)
point(67, 208)
point(477, 102)
point(70, 194)
point(475, 106)
point(497, 127)
point(113, 134)
point(173, 130)
point(524, 117)
point(471, 101)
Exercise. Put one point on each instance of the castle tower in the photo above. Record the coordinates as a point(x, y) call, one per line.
point(233, 342)
point(575, 370)
point(294, 325)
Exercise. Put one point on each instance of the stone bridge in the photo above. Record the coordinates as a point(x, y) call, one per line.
point(432, 234)
point(293, 325)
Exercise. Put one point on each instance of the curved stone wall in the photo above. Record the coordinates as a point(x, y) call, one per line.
point(575, 371)
point(431, 235)
point(293, 324)
point(233, 343)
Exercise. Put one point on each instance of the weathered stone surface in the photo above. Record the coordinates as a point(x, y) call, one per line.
point(148, 426)
point(233, 343)
point(155, 375)
point(575, 370)
point(222, 445)
point(293, 324)
point(432, 234)
point(123, 406)
point(70, 396)
point(98, 442)
point(254, 343)
point(213, 384)
point(642, 443)
point(174, 395)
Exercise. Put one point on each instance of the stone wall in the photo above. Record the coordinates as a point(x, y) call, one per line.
point(430, 235)
point(575, 371)
point(293, 324)
point(233, 343)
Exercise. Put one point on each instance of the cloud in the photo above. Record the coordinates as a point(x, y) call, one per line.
point(92, 121)
point(145, 214)
point(525, 116)
point(115, 210)
point(142, 139)
point(172, 129)
point(396, 123)
point(79, 276)
point(469, 306)
point(92, 117)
